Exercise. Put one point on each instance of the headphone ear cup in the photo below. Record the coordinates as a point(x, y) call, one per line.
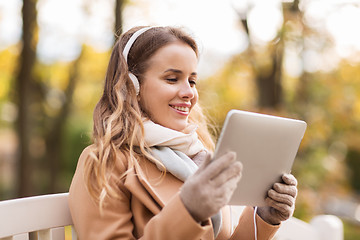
point(135, 82)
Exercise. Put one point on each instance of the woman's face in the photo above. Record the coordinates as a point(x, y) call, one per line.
point(168, 90)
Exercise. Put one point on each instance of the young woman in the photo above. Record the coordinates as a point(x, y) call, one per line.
point(149, 173)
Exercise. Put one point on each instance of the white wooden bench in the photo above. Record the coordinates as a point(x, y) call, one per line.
point(321, 227)
point(40, 217)
point(45, 218)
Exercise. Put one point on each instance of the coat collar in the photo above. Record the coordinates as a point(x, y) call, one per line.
point(146, 179)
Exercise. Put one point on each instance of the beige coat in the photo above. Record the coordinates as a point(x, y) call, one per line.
point(149, 209)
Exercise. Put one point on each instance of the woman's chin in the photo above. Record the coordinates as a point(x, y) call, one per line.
point(177, 126)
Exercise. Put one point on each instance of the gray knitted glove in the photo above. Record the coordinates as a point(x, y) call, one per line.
point(211, 186)
point(280, 200)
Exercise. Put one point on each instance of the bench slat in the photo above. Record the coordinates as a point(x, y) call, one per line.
point(34, 213)
point(23, 236)
point(73, 234)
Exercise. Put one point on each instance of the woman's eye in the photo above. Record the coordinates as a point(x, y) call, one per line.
point(171, 79)
point(192, 82)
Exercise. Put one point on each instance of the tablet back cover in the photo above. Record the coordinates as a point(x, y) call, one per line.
point(266, 145)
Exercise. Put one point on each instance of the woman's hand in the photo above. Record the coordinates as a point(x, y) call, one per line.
point(280, 200)
point(211, 187)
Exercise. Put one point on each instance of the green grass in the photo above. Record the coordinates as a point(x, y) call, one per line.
point(351, 231)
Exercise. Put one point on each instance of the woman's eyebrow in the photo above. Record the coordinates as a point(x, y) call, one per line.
point(178, 71)
point(173, 70)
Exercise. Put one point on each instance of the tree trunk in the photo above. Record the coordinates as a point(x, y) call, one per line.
point(23, 94)
point(54, 138)
point(119, 5)
point(269, 81)
point(268, 78)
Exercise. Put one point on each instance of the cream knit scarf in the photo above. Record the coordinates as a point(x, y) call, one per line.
point(174, 150)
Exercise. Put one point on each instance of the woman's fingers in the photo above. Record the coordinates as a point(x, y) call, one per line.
point(232, 171)
point(281, 198)
point(228, 187)
point(289, 179)
point(285, 210)
point(285, 189)
point(216, 166)
point(200, 157)
point(206, 162)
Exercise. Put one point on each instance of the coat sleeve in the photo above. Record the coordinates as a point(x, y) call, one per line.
point(246, 231)
point(116, 220)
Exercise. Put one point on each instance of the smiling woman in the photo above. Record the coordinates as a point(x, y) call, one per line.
point(149, 173)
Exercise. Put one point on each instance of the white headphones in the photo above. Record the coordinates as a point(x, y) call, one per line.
point(126, 52)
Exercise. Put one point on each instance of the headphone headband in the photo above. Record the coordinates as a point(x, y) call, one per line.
point(126, 52)
point(132, 40)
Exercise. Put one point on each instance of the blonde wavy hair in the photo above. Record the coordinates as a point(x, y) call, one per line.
point(118, 116)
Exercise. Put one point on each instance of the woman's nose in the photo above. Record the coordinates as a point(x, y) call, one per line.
point(187, 91)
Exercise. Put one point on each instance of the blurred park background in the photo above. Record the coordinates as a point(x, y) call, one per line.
point(292, 58)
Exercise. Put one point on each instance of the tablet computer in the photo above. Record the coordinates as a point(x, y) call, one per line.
point(266, 146)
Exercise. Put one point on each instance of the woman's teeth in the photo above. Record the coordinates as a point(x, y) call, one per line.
point(183, 109)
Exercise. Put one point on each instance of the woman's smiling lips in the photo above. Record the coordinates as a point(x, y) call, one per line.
point(183, 109)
